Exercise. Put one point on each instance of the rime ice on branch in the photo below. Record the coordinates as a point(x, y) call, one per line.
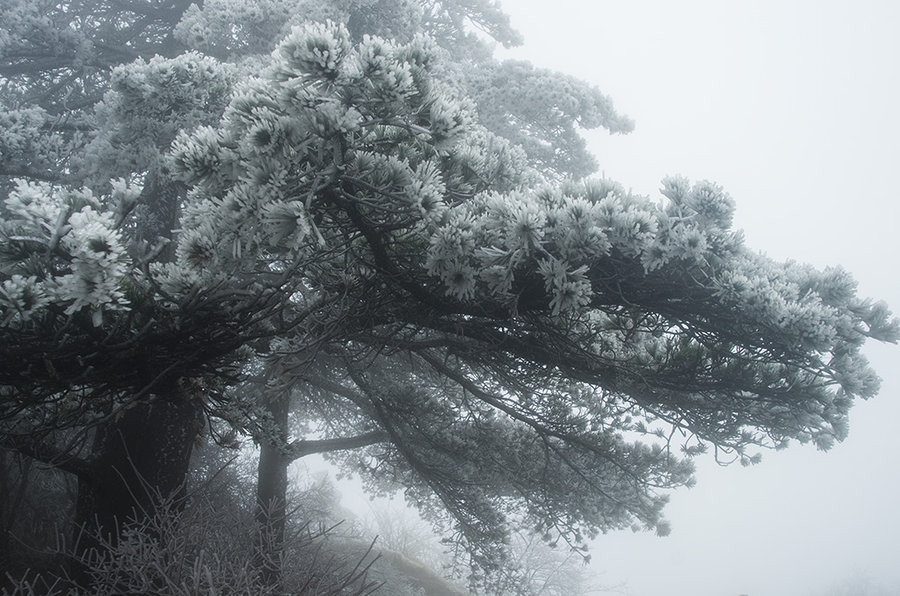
point(569, 313)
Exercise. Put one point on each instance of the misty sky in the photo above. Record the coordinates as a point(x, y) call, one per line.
point(793, 107)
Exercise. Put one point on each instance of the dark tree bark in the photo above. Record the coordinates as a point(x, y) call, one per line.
point(140, 459)
point(8, 505)
point(271, 493)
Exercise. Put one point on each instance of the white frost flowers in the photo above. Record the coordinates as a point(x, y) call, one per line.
point(98, 264)
point(20, 298)
point(78, 260)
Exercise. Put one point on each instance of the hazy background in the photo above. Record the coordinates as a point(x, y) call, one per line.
point(792, 106)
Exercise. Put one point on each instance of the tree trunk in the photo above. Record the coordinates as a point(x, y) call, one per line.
point(271, 494)
point(141, 460)
point(7, 507)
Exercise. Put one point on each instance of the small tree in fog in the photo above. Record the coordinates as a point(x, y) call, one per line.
point(401, 530)
point(859, 585)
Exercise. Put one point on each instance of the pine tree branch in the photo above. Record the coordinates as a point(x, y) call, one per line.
point(49, 454)
point(302, 448)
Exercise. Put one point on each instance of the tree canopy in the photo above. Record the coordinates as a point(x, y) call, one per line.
point(409, 245)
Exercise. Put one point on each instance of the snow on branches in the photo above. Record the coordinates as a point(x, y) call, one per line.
point(358, 156)
point(330, 125)
point(61, 249)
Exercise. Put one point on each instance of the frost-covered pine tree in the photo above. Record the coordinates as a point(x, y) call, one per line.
point(504, 340)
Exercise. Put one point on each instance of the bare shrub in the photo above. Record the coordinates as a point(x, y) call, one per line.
point(202, 547)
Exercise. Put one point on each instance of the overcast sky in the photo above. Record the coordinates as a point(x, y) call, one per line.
point(793, 107)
